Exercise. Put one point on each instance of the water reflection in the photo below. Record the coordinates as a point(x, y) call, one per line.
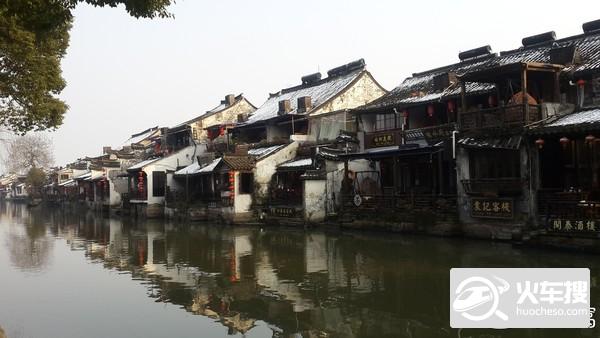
point(303, 284)
point(27, 241)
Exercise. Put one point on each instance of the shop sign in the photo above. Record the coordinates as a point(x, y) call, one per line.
point(283, 212)
point(500, 208)
point(574, 225)
point(383, 140)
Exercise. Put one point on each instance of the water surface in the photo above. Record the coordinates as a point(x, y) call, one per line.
point(65, 274)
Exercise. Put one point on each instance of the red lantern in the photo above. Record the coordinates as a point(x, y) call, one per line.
point(451, 106)
point(539, 142)
point(589, 139)
point(430, 110)
point(581, 83)
point(564, 141)
point(492, 102)
point(141, 182)
point(404, 114)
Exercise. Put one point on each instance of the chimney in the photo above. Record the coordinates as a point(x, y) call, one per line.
point(285, 106)
point(311, 78)
point(538, 39)
point(304, 104)
point(566, 55)
point(591, 27)
point(229, 99)
point(106, 149)
point(475, 52)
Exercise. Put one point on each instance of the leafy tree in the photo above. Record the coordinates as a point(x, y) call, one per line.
point(34, 36)
point(27, 152)
point(36, 178)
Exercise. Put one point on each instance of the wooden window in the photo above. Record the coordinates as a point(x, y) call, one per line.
point(385, 121)
point(246, 183)
point(159, 180)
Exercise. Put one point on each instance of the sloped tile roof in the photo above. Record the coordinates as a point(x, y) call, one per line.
point(239, 162)
point(319, 92)
point(587, 119)
point(419, 87)
point(262, 152)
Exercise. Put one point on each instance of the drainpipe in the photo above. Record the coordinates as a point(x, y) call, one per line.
point(454, 132)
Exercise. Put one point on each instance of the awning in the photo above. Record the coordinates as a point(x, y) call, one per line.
point(95, 176)
point(68, 183)
point(82, 177)
point(197, 169)
point(397, 151)
point(581, 121)
point(296, 164)
point(142, 164)
point(509, 142)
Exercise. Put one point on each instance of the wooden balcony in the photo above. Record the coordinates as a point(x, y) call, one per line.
point(499, 117)
point(493, 186)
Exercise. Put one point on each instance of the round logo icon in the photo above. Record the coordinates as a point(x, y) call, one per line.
point(357, 200)
point(477, 298)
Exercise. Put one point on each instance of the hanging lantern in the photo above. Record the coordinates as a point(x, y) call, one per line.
point(564, 141)
point(581, 83)
point(141, 182)
point(430, 110)
point(404, 114)
point(539, 142)
point(451, 106)
point(589, 139)
point(492, 102)
point(232, 184)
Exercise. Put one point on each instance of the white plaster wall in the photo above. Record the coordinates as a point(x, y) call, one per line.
point(314, 200)
point(335, 175)
point(364, 90)
point(183, 157)
point(241, 202)
point(228, 115)
point(277, 133)
point(265, 168)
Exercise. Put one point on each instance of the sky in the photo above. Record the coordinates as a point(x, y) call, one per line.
point(125, 74)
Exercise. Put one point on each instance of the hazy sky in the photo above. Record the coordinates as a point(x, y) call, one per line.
point(125, 75)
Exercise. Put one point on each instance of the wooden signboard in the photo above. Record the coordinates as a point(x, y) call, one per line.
point(574, 225)
point(498, 208)
point(283, 212)
point(383, 140)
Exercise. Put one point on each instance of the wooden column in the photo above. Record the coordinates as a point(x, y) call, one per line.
point(440, 173)
point(524, 91)
point(463, 103)
point(556, 86)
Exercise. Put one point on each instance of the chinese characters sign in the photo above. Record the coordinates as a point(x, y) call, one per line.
point(383, 140)
point(569, 225)
point(283, 212)
point(492, 208)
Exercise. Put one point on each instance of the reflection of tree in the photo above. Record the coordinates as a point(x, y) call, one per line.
point(29, 246)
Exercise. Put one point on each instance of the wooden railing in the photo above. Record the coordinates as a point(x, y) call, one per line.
point(499, 117)
point(493, 186)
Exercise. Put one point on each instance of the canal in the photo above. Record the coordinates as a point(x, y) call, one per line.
point(65, 274)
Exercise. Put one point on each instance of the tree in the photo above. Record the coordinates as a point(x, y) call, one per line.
point(36, 178)
point(34, 36)
point(29, 151)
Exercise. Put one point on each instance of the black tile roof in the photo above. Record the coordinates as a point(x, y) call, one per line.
point(419, 88)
